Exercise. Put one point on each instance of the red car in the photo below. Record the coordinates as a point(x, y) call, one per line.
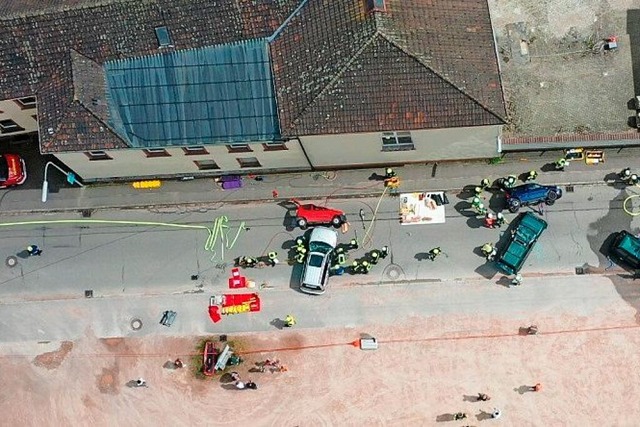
point(309, 214)
point(12, 170)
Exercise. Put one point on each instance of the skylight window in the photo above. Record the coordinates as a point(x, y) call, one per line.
point(376, 5)
point(164, 39)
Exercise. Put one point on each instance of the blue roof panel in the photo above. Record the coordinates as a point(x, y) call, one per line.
point(220, 94)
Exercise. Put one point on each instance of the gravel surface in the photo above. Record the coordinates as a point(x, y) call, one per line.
point(556, 78)
point(425, 370)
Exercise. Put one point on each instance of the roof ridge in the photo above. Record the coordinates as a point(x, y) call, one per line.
point(338, 74)
point(102, 122)
point(464, 92)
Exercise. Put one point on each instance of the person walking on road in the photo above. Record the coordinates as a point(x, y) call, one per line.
point(433, 253)
point(34, 250)
point(273, 258)
point(485, 183)
point(536, 387)
point(289, 321)
point(490, 220)
point(384, 252)
point(517, 280)
point(488, 251)
point(353, 244)
point(560, 164)
point(140, 382)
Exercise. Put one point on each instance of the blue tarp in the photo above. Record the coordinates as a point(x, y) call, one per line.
point(220, 94)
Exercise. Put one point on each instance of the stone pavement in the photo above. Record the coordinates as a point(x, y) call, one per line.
point(314, 185)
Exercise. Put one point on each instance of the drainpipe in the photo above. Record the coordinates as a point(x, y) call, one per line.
point(305, 153)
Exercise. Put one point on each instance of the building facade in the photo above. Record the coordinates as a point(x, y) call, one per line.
point(172, 88)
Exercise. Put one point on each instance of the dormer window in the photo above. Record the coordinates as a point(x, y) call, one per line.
point(26, 103)
point(376, 6)
point(164, 39)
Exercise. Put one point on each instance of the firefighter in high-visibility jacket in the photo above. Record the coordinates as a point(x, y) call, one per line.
point(301, 255)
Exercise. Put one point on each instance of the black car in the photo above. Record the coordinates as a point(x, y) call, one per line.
point(531, 194)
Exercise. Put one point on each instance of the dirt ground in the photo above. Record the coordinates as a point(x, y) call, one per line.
point(424, 371)
point(556, 78)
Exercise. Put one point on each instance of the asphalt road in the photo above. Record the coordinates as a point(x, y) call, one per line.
point(139, 270)
point(355, 307)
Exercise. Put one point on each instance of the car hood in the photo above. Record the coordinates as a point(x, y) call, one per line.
point(11, 169)
point(324, 235)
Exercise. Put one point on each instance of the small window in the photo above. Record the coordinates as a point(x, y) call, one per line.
point(9, 126)
point(206, 165)
point(26, 103)
point(249, 162)
point(239, 148)
point(97, 155)
point(156, 152)
point(397, 141)
point(193, 151)
point(164, 39)
point(274, 146)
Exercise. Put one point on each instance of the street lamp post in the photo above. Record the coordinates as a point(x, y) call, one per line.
point(71, 179)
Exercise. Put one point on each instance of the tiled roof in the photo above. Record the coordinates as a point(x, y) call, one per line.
point(419, 65)
point(337, 68)
point(36, 47)
point(385, 89)
point(13, 8)
point(89, 85)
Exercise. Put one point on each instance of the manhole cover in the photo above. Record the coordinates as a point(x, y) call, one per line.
point(393, 272)
point(136, 324)
point(11, 261)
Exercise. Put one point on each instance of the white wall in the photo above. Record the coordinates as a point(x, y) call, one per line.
point(366, 148)
point(11, 110)
point(133, 163)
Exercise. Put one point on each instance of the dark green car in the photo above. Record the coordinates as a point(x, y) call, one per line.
point(523, 237)
point(625, 248)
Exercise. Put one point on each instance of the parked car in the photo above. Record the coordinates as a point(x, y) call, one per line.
point(310, 214)
point(528, 227)
point(315, 273)
point(531, 194)
point(625, 248)
point(12, 170)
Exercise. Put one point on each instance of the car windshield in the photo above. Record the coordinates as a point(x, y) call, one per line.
point(319, 247)
point(315, 260)
point(4, 169)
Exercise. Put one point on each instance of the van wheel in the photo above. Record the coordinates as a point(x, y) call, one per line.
point(553, 196)
point(549, 202)
point(302, 223)
point(514, 206)
point(336, 221)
